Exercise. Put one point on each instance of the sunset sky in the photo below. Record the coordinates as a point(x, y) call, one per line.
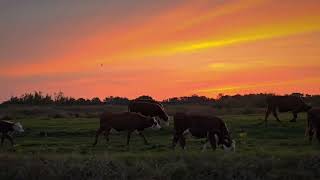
point(160, 48)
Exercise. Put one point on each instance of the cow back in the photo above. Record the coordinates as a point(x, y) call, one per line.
point(6, 126)
point(286, 103)
point(147, 108)
point(125, 121)
point(199, 123)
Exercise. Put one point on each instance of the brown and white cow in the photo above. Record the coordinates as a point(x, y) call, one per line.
point(126, 121)
point(210, 127)
point(149, 108)
point(6, 127)
point(313, 125)
point(292, 104)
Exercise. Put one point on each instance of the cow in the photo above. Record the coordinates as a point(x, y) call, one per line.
point(149, 108)
point(125, 121)
point(210, 127)
point(292, 104)
point(313, 124)
point(6, 127)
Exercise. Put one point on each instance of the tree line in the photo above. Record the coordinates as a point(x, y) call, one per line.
point(222, 101)
point(39, 98)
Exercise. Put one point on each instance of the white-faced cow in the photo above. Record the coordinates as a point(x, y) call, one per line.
point(126, 121)
point(210, 127)
point(149, 108)
point(6, 127)
point(292, 104)
point(313, 125)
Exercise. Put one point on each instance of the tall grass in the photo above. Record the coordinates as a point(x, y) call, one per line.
point(171, 165)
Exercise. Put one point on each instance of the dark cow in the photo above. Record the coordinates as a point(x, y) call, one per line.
point(313, 126)
point(210, 127)
point(127, 121)
point(149, 108)
point(292, 104)
point(6, 127)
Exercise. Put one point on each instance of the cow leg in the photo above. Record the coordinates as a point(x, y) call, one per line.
point(307, 127)
point(106, 134)
point(307, 131)
point(295, 116)
point(275, 114)
point(182, 142)
point(212, 140)
point(143, 137)
point(175, 140)
point(99, 131)
point(10, 139)
point(311, 133)
point(2, 138)
point(206, 144)
point(128, 137)
point(267, 115)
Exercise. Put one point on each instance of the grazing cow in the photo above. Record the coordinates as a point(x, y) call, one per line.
point(8, 126)
point(210, 127)
point(313, 125)
point(285, 104)
point(127, 121)
point(149, 108)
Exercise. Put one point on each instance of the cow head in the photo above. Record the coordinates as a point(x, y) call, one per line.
point(155, 124)
point(164, 116)
point(17, 127)
point(228, 145)
point(162, 122)
point(306, 107)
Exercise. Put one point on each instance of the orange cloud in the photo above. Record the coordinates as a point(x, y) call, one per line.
point(234, 89)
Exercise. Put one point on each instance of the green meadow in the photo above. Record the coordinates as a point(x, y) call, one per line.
point(59, 145)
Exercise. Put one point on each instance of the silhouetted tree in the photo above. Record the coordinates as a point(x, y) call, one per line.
point(144, 97)
point(223, 101)
point(95, 101)
point(116, 100)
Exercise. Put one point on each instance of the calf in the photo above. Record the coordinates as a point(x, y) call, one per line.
point(127, 121)
point(313, 124)
point(8, 126)
point(210, 127)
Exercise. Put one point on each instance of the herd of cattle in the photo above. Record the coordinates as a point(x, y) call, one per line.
point(143, 114)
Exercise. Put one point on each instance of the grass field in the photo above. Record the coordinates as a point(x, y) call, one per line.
point(279, 151)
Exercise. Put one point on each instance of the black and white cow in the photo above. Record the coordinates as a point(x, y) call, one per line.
point(210, 127)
